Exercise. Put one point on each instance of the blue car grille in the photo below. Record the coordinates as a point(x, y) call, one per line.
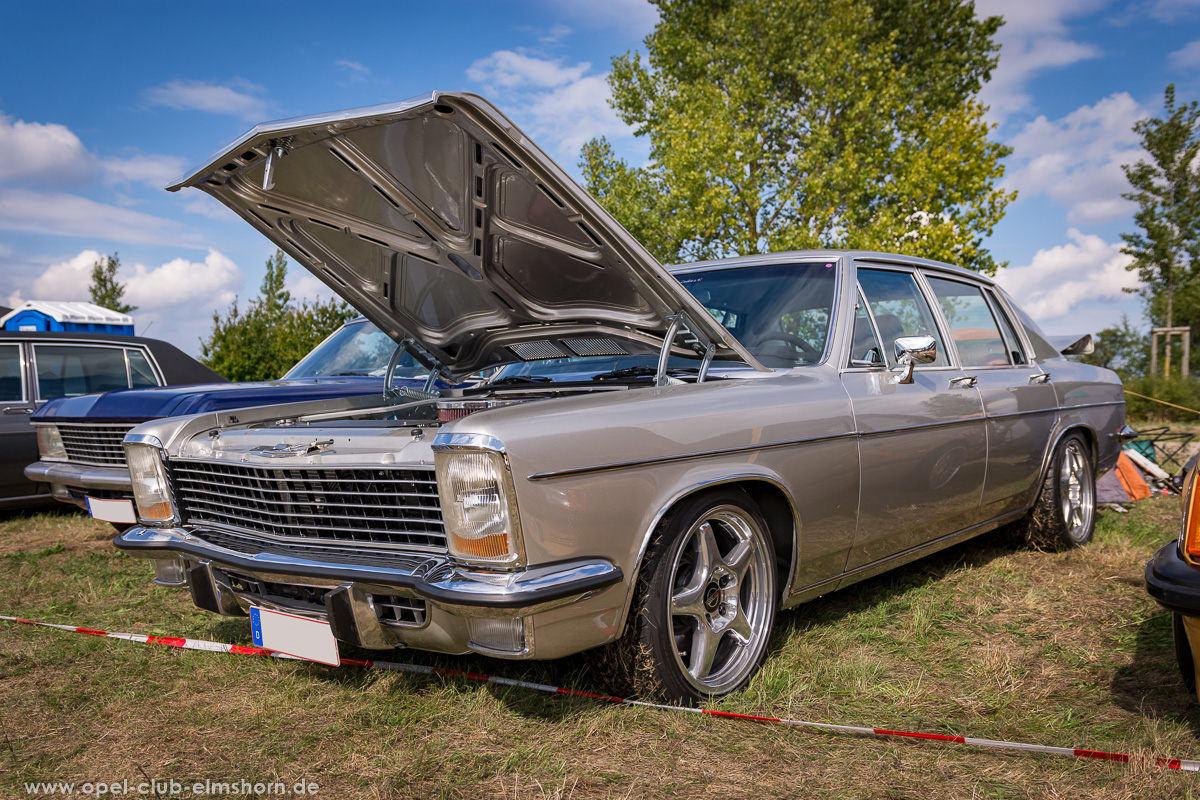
point(393, 507)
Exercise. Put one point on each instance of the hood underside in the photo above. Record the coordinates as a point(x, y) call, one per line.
point(442, 223)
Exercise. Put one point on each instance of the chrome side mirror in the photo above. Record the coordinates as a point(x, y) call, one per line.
point(913, 350)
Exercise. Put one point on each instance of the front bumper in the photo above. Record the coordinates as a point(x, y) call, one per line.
point(1173, 582)
point(70, 483)
point(459, 606)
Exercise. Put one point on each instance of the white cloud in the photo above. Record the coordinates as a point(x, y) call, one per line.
point(46, 151)
point(1060, 278)
point(1034, 38)
point(175, 300)
point(505, 69)
point(1187, 57)
point(559, 105)
point(60, 214)
point(1076, 160)
point(50, 154)
point(1172, 10)
point(66, 280)
point(208, 284)
point(154, 171)
point(353, 70)
point(556, 34)
point(237, 98)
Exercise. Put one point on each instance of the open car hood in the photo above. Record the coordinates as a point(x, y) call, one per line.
point(440, 222)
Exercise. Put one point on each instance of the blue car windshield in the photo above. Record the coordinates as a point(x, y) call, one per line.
point(357, 348)
point(780, 312)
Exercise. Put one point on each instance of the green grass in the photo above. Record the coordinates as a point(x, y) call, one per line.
point(987, 639)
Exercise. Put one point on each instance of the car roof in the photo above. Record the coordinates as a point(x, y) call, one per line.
point(177, 366)
point(872, 256)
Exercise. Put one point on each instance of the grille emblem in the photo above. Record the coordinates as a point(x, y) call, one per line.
point(285, 450)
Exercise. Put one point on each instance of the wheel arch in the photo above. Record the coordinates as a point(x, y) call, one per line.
point(773, 500)
point(1089, 437)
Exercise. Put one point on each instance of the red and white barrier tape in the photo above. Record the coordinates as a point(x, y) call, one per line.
point(245, 650)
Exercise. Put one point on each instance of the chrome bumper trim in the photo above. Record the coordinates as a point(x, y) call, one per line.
point(80, 477)
point(460, 591)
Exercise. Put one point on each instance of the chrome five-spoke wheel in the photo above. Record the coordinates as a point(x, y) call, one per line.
point(704, 603)
point(721, 602)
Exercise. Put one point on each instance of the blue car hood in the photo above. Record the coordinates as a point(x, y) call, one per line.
point(142, 405)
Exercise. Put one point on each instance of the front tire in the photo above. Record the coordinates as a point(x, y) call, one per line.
point(1064, 515)
point(703, 605)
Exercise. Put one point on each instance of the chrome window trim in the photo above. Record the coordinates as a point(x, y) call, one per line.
point(834, 309)
point(935, 311)
point(122, 347)
point(22, 372)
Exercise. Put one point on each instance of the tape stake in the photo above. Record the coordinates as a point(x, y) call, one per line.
point(1185, 765)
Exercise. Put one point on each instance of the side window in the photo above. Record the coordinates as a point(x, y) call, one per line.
point(140, 372)
point(865, 351)
point(899, 309)
point(1016, 353)
point(11, 389)
point(972, 325)
point(72, 370)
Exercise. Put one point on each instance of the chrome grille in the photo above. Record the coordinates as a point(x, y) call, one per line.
point(99, 445)
point(375, 506)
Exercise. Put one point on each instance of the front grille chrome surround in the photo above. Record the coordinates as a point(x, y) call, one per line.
point(370, 506)
point(94, 444)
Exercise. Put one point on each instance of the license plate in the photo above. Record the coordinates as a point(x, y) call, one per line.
point(296, 636)
point(111, 510)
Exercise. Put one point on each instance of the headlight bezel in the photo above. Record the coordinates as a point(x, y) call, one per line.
point(153, 499)
point(50, 443)
point(459, 459)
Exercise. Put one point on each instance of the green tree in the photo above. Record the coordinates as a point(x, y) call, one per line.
point(1167, 190)
point(783, 124)
point(266, 339)
point(1121, 348)
point(105, 289)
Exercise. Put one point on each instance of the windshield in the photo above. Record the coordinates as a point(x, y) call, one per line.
point(357, 348)
point(780, 312)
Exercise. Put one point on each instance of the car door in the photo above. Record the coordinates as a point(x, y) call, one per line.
point(922, 446)
point(1018, 398)
point(18, 442)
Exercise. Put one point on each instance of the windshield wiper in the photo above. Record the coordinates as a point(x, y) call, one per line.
point(511, 379)
point(642, 372)
point(358, 373)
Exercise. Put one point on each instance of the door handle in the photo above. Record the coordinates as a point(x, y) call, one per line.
point(18, 410)
point(1043, 378)
point(964, 381)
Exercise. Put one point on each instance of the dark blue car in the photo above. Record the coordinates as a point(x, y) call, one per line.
point(79, 438)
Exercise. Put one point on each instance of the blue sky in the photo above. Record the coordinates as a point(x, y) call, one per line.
point(107, 103)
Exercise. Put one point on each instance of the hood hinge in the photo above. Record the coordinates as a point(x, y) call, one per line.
point(680, 325)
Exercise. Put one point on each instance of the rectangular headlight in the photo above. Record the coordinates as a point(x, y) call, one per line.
point(150, 490)
point(478, 507)
point(50, 443)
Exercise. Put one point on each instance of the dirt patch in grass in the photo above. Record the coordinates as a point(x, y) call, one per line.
point(63, 530)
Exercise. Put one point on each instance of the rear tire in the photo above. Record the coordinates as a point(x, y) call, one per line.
point(1064, 515)
point(703, 605)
